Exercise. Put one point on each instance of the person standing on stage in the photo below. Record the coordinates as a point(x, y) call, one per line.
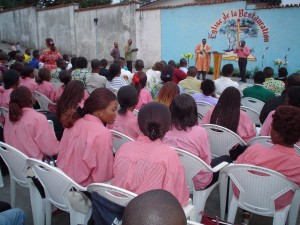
point(128, 54)
point(115, 52)
point(242, 53)
point(202, 62)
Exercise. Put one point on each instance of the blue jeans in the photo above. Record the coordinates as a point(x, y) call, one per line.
point(12, 217)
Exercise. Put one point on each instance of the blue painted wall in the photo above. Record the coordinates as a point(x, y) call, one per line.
point(183, 28)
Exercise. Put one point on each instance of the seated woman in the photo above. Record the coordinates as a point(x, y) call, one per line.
point(126, 121)
point(11, 80)
point(44, 86)
point(167, 93)
point(166, 76)
point(85, 150)
point(114, 81)
point(26, 129)
point(27, 75)
point(139, 81)
point(64, 77)
point(227, 113)
point(280, 157)
point(187, 135)
point(147, 163)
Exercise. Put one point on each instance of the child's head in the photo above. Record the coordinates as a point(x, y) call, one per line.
point(61, 64)
point(82, 62)
point(19, 57)
point(64, 76)
point(127, 98)
point(3, 57)
point(74, 62)
point(44, 75)
point(139, 81)
point(17, 66)
point(11, 79)
point(27, 71)
point(139, 65)
point(66, 58)
point(27, 51)
point(36, 54)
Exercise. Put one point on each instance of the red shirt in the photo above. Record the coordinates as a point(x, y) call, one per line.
point(178, 75)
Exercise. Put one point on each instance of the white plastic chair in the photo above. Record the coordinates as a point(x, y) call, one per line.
point(57, 185)
point(259, 188)
point(3, 113)
point(202, 108)
point(221, 139)
point(193, 223)
point(119, 139)
point(253, 115)
point(136, 112)
point(192, 165)
point(42, 100)
point(253, 103)
point(17, 166)
point(51, 124)
point(56, 83)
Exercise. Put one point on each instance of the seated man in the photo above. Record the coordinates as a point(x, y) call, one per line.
point(157, 207)
point(258, 91)
point(208, 88)
point(225, 80)
point(276, 86)
point(190, 83)
point(178, 74)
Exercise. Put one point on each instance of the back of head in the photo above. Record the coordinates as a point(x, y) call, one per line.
point(208, 87)
point(167, 73)
point(286, 125)
point(155, 207)
point(192, 71)
point(167, 93)
point(64, 76)
point(3, 56)
point(227, 70)
point(293, 96)
point(127, 97)
point(139, 81)
point(259, 77)
point(61, 63)
point(154, 120)
point(269, 72)
point(20, 98)
point(158, 66)
point(27, 70)
point(139, 65)
point(82, 62)
point(66, 57)
point(227, 111)
point(114, 71)
point(184, 112)
point(18, 66)
point(103, 63)
point(282, 72)
point(74, 62)
point(35, 54)
point(172, 63)
point(19, 57)
point(292, 80)
point(44, 75)
point(50, 44)
point(182, 62)
point(120, 61)
point(10, 78)
point(95, 64)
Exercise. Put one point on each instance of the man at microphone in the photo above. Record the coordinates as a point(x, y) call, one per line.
point(242, 53)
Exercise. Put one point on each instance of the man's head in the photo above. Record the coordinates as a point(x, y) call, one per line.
point(292, 80)
point(19, 57)
point(172, 63)
point(204, 41)
point(183, 62)
point(129, 42)
point(116, 44)
point(259, 77)
point(157, 207)
point(269, 72)
point(139, 65)
point(95, 65)
point(103, 63)
point(227, 70)
point(243, 43)
point(192, 71)
point(208, 87)
point(36, 54)
point(61, 64)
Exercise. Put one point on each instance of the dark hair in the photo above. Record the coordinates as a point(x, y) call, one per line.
point(167, 73)
point(95, 63)
point(99, 99)
point(259, 77)
point(282, 72)
point(139, 65)
point(51, 44)
point(127, 97)
point(17, 66)
point(64, 76)
point(182, 62)
point(103, 63)
point(44, 75)
point(286, 122)
point(60, 62)
point(227, 70)
point(3, 56)
point(35, 54)
point(172, 63)
point(269, 72)
point(10, 78)
point(184, 112)
point(192, 71)
point(139, 81)
point(154, 120)
point(208, 87)
point(293, 96)
point(20, 98)
point(27, 70)
point(81, 62)
point(292, 80)
point(74, 62)
point(65, 57)
point(167, 93)
point(114, 70)
point(19, 57)
point(227, 111)
point(158, 66)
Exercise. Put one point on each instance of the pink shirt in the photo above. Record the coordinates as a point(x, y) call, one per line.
point(46, 88)
point(277, 157)
point(5, 97)
point(32, 135)
point(242, 52)
point(144, 98)
point(29, 82)
point(126, 124)
point(145, 165)
point(85, 96)
point(195, 141)
point(266, 127)
point(59, 92)
point(86, 152)
point(245, 128)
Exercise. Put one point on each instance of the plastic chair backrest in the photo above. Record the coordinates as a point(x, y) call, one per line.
point(202, 108)
point(55, 182)
point(56, 83)
point(253, 115)
point(253, 103)
point(16, 163)
point(259, 187)
point(193, 223)
point(3, 113)
point(136, 112)
point(221, 139)
point(115, 194)
point(42, 100)
point(51, 124)
point(119, 139)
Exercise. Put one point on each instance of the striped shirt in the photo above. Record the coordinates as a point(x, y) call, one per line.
point(116, 83)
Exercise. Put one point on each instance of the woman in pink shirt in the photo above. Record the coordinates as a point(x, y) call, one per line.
point(126, 121)
point(64, 77)
point(45, 87)
point(85, 150)
point(27, 78)
point(139, 81)
point(11, 80)
point(167, 93)
point(147, 163)
point(26, 129)
point(280, 157)
point(187, 135)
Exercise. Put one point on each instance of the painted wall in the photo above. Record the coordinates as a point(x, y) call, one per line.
point(183, 28)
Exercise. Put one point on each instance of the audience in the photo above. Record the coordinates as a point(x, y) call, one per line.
point(282, 74)
point(27, 78)
point(276, 86)
point(11, 80)
point(178, 74)
point(64, 77)
point(183, 65)
point(167, 93)
point(81, 72)
point(153, 74)
point(225, 80)
point(139, 81)
point(95, 80)
point(125, 73)
point(34, 62)
point(208, 93)
point(61, 65)
point(166, 76)
point(45, 87)
point(74, 64)
point(27, 55)
point(3, 62)
point(114, 81)
point(103, 71)
point(190, 83)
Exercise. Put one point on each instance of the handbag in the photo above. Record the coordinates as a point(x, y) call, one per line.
point(210, 220)
point(79, 201)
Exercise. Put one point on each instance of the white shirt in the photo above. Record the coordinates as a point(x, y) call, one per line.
point(184, 69)
point(153, 77)
point(224, 82)
point(94, 81)
point(126, 73)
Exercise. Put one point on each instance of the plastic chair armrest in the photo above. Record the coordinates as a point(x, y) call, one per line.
point(220, 166)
